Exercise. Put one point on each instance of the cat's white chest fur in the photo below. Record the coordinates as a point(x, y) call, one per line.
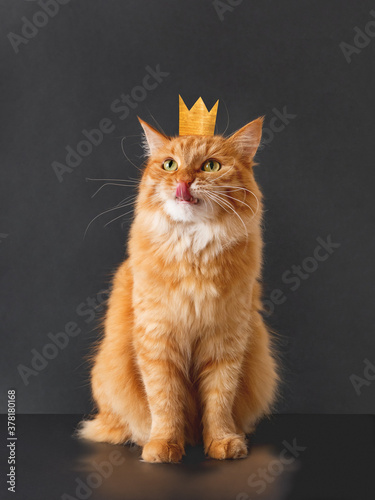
point(180, 240)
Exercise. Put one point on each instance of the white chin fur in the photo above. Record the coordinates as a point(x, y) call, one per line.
point(184, 212)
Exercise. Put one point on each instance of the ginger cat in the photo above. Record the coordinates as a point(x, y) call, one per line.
point(186, 353)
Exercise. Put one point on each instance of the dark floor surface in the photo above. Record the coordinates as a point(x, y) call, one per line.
point(294, 457)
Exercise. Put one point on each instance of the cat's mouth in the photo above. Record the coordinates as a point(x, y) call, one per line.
point(183, 194)
point(190, 201)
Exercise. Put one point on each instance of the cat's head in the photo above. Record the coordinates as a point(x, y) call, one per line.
point(201, 178)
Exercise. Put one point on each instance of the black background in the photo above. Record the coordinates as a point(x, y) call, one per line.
point(317, 175)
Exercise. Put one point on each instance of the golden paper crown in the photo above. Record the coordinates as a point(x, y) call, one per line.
point(198, 120)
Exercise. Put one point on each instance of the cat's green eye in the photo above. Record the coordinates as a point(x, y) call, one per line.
point(211, 166)
point(170, 165)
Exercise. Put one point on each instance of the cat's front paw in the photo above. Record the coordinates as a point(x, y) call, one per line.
point(158, 451)
point(228, 447)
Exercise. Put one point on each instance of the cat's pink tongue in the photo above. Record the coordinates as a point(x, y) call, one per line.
point(182, 191)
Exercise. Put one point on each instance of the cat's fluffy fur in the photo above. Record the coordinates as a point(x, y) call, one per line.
point(186, 353)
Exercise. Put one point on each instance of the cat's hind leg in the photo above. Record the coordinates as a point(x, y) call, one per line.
point(257, 390)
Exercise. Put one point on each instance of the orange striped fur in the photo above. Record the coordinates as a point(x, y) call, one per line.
point(186, 355)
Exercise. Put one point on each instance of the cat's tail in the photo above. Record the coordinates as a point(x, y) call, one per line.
point(104, 428)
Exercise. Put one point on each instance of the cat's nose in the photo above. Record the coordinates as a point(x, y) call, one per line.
point(183, 191)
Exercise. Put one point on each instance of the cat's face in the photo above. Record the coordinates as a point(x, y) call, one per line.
point(199, 178)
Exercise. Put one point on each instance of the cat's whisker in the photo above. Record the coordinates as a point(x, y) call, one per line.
point(237, 188)
point(157, 123)
point(112, 184)
point(129, 199)
point(232, 187)
point(130, 179)
point(103, 213)
point(217, 201)
point(221, 187)
point(208, 202)
point(126, 156)
point(234, 211)
point(231, 191)
point(235, 199)
point(211, 205)
point(126, 137)
point(226, 109)
point(122, 215)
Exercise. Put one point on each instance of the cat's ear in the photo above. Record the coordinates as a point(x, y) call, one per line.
point(247, 139)
point(153, 139)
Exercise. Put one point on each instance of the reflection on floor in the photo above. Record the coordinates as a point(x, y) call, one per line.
point(311, 457)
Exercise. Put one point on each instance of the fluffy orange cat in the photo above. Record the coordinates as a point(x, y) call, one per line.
point(186, 353)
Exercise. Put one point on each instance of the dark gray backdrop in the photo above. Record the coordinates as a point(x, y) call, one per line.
point(316, 170)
